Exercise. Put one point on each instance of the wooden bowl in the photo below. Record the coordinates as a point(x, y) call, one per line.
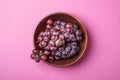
point(67, 18)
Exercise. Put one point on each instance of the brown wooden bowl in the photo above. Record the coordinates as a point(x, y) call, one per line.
point(67, 18)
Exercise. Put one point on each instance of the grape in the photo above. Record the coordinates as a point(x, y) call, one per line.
point(32, 56)
point(75, 27)
point(74, 43)
point(63, 23)
point(68, 25)
point(54, 38)
point(72, 52)
point(57, 58)
point(35, 51)
point(40, 53)
point(51, 43)
point(51, 58)
point(58, 54)
point(58, 22)
point(37, 58)
point(79, 38)
point(48, 27)
point(58, 42)
point(68, 49)
point(53, 48)
point(46, 38)
point(61, 37)
point(78, 33)
point(43, 57)
point(61, 49)
point(47, 48)
point(52, 53)
point(43, 43)
point(49, 21)
point(72, 37)
point(66, 35)
point(64, 54)
point(46, 53)
point(39, 38)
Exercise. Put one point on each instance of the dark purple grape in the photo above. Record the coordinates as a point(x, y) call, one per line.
point(77, 49)
point(63, 23)
point(61, 49)
point(35, 51)
point(64, 54)
point(74, 44)
point(46, 38)
point(79, 38)
point(32, 56)
point(68, 49)
point(75, 27)
point(57, 58)
point(40, 53)
point(37, 58)
point(57, 28)
point(78, 33)
point(72, 52)
point(43, 43)
point(53, 53)
point(48, 27)
point(72, 37)
point(43, 57)
point(58, 54)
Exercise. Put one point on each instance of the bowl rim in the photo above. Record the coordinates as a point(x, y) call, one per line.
point(84, 29)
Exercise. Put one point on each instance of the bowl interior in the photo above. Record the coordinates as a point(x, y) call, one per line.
point(67, 18)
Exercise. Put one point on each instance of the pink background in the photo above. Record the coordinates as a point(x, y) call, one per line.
point(18, 20)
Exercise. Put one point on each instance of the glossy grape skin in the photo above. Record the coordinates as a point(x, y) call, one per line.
point(50, 21)
point(44, 57)
point(37, 58)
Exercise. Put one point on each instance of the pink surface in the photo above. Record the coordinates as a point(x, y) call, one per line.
point(18, 20)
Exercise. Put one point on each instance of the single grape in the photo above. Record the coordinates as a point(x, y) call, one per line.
point(32, 56)
point(78, 33)
point(51, 58)
point(37, 58)
point(74, 43)
point(63, 23)
point(68, 49)
point(68, 25)
point(43, 57)
point(61, 49)
point(51, 43)
point(46, 53)
point(75, 27)
point(50, 21)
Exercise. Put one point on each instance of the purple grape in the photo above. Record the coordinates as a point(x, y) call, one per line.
point(47, 48)
point(46, 53)
point(61, 37)
point(72, 37)
point(39, 38)
point(35, 51)
point(72, 52)
point(51, 58)
point(75, 27)
point(79, 38)
point(32, 56)
point(53, 48)
point(51, 43)
point(64, 54)
point(46, 38)
point(40, 53)
point(43, 57)
point(68, 49)
point(48, 27)
point(68, 25)
point(50, 21)
point(57, 58)
point(53, 53)
point(61, 49)
point(37, 58)
point(58, 54)
point(78, 33)
point(74, 43)
point(63, 23)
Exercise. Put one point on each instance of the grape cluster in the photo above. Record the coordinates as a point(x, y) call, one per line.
point(60, 40)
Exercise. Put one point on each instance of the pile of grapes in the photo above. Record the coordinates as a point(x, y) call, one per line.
point(60, 40)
